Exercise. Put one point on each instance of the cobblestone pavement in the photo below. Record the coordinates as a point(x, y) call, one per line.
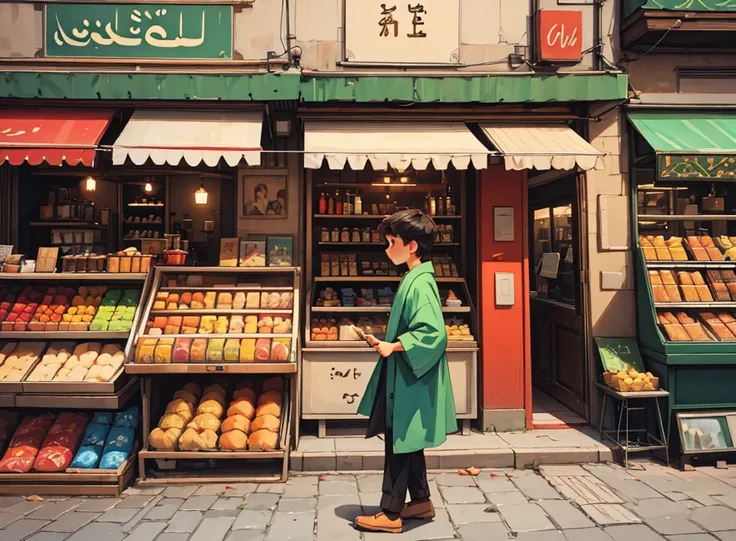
point(601, 502)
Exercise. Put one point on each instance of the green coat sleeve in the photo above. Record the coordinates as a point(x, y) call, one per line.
point(425, 339)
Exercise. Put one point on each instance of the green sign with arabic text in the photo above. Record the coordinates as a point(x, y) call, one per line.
point(139, 31)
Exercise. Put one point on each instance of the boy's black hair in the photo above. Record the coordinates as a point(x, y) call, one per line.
point(410, 225)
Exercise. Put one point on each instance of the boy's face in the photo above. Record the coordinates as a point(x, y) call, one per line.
point(397, 251)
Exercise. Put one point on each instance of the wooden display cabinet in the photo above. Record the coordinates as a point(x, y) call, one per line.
point(336, 372)
point(174, 466)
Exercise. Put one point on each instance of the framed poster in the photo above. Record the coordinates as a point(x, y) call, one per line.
point(280, 251)
point(253, 253)
point(503, 224)
point(264, 195)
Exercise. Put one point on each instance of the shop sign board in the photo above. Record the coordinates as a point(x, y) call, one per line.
point(138, 31)
point(559, 35)
point(383, 31)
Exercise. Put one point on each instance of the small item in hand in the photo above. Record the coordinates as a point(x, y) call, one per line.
point(361, 334)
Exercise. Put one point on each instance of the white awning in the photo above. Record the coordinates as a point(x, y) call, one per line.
point(391, 144)
point(167, 136)
point(542, 147)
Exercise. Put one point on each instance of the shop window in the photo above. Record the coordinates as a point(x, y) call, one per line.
point(554, 236)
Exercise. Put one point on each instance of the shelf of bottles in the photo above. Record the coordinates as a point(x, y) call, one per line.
point(352, 282)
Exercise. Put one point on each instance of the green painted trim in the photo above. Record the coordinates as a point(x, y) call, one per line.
point(475, 89)
point(314, 89)
point(149, 86)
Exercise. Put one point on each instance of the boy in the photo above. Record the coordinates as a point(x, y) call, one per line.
point(409, 396)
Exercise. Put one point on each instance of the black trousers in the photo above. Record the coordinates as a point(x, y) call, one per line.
point(402, 472)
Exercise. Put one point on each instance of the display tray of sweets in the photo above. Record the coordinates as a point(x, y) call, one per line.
point(217, 349)
point(67, 442)
point(631, 380)
point(93, 308)
point(697, 326)
point(683, 286)
point(226, 301)
point(61, 367)
point(693, 248)
point(261, 324)
point(245, 417)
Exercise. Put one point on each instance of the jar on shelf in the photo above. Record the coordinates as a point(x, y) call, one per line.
point(366, 235)
point(375, 237)
point(355, 236)
point(324, 235)
point(68, 264)
point(345, 235)
point(335, 235)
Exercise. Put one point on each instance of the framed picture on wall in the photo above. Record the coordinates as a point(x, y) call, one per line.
point(264, 194)
point(280, 251)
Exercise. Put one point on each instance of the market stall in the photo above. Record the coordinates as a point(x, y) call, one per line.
point(220, 347)
point(63, 341)
point(686, 268)
point(350, 280)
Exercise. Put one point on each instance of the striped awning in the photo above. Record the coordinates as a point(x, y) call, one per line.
point(543, 147)
point(170, 136)
point(395, 145)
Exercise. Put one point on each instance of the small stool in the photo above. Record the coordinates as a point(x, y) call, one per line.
point(653, 442)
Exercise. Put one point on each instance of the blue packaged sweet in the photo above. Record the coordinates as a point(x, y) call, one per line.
point(120, 439)
point(128, 418)
point(113, 460)
point(95, 435)
point(87, 457)
point(103, 418)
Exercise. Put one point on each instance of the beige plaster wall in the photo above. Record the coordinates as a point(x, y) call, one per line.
point(489, 31)
point(612, 311)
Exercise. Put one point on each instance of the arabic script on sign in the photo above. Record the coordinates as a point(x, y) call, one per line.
point(155, 35)
point(138, 30)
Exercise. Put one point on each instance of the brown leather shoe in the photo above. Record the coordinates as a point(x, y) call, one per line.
point(423, 510)
point(379, 523)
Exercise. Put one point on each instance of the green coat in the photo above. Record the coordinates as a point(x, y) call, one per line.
point(419, 403)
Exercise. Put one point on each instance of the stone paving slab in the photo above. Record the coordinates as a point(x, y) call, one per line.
point(551, 503)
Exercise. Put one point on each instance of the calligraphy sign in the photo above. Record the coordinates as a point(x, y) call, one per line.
point(559, 35)
point(139, 31)
point(422, 31)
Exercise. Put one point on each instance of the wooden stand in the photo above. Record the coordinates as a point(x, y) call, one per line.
point(172, 467)
point(120, 391)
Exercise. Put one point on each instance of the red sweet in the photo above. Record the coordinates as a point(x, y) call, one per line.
point(56, 318)
point(18, 307)
point(48, 299)
point(60, 299)
point(5, 305)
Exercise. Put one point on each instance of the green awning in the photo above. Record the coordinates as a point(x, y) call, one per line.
point(309, 88)
point(689, 145)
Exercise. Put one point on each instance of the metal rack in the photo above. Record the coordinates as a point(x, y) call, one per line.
point(225, 462)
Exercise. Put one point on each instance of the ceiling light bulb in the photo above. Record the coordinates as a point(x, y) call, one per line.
point(148, 188)
point(90, 184)
point(387, 180)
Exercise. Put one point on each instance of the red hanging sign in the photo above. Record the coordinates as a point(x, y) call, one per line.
point(559, 35)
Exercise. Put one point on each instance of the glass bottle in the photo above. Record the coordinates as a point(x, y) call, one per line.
point(432, 206)
point(449, 207)
point(339, 204)
point(322, 204)
point(358, 207)
point(330, 204)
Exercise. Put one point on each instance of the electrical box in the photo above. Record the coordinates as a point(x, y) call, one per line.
point(505, 289)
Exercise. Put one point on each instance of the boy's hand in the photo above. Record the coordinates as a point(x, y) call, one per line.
point(372, 340)
point(385, 349)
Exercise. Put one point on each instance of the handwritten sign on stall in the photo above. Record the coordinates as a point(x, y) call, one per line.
point(139, 31)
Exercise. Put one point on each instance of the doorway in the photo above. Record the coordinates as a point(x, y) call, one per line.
point(557, 302)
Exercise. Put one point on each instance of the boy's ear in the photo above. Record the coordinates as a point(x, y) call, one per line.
point(413, 247)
